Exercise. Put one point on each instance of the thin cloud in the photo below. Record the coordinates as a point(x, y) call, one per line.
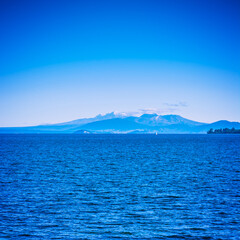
point(179, 104)
point(168, 108)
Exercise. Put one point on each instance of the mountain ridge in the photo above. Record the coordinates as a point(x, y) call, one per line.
point(123, 123)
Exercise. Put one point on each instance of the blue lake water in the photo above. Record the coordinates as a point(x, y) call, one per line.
point(120, 187)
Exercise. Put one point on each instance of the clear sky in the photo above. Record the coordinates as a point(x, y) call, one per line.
point(63, 60)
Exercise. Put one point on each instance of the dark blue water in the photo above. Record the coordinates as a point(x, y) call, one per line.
point(120, 187)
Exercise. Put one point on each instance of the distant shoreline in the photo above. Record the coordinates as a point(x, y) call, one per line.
point(115, 134)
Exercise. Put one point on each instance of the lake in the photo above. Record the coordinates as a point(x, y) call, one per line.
point(119, 186)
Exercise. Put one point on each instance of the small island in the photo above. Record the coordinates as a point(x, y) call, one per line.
point(224, 131)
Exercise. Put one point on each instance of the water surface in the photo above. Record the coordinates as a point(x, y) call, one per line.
point(120, 187)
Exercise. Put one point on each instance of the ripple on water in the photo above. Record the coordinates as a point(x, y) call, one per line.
point(119, 187)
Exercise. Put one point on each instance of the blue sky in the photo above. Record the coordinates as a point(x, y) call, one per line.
point(62, 60)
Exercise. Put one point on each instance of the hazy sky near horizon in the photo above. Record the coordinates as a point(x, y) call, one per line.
point(63, 60)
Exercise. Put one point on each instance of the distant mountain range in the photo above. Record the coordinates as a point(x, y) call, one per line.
point(118, 123)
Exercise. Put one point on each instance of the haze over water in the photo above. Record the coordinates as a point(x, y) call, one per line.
point(120, 187)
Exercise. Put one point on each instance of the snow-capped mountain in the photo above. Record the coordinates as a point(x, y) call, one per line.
point(123, 123)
